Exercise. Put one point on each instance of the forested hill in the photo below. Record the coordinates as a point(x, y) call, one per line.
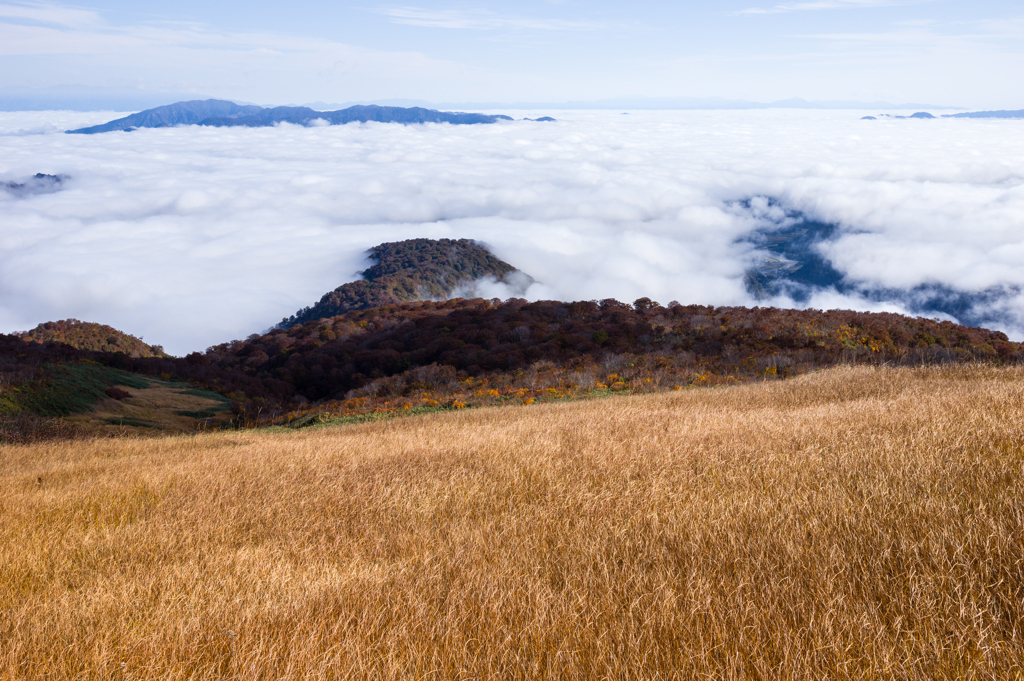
point(90, 336)
point(429, 350)
point(458, 352)
point(406, 271)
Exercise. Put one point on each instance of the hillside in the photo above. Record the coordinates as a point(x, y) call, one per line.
point(221, 113)
point(857, 523)
point(406, 271)
point(91, 336)
point(426, 354)
point(434, 355)
point(371, 348)
point(51, 390)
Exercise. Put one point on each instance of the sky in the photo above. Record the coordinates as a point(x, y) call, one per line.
point(192, 236)
point(963, 53)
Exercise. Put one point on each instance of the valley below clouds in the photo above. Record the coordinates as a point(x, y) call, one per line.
point(192, 236)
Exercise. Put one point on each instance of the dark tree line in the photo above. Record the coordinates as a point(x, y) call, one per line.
point(325, 359)
point(329, 359)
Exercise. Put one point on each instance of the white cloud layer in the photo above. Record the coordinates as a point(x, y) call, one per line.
point(192, 236)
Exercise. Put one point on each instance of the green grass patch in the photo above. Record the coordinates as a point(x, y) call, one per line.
point(316, 422)
point(319, 421)
point(197, 413)
point(71, 388)
point(133, 422)
point(208, 394)
point(118, 377)
point(8, 403)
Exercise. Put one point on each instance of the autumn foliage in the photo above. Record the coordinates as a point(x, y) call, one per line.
point(486, 351)
point(455, 353)
point(91, 336)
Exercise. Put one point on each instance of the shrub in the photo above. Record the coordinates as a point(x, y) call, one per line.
point(117, 393)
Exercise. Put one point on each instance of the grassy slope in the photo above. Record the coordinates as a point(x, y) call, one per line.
point(67, 389)
point(854, 523)
point(76, 394)
point(159, 408)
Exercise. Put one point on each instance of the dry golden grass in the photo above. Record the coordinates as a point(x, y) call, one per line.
point(856, 523)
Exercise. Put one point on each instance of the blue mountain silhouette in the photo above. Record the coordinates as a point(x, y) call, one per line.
point(221, 113)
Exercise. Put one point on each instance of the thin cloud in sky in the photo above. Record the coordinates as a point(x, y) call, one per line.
point(383, 50)
point(818, 5)
point(57, 29)
point(1011, 28)
point(249, 64)
point(44, 13)
point(481, 20)
point(983, 36)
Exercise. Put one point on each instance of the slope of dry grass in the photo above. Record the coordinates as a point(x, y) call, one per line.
point(856, 523)
point(162, 407)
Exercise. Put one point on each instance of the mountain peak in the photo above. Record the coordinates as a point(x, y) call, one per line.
point(179, 113)
point(409, 271)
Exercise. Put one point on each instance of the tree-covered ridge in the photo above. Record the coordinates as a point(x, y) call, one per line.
point(91, 336)
point(381, 353)
point(458, 352)
point(406, 271)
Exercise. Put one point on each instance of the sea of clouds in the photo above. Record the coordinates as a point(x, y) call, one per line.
point(192, 236)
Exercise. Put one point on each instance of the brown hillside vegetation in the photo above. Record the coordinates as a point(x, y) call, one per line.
point(855, 523)
point(425, 356)
point(416, 354)
point(91, 336)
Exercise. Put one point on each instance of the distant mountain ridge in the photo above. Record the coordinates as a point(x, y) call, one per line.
point(923, 115)
point(408, 271)
point(222, 113)
point(180, 113)
point(969, 114)
point(988, 114)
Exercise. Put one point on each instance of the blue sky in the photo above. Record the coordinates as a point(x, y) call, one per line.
point(951, 52)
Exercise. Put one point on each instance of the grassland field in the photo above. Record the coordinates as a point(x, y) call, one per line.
point(855, 523)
